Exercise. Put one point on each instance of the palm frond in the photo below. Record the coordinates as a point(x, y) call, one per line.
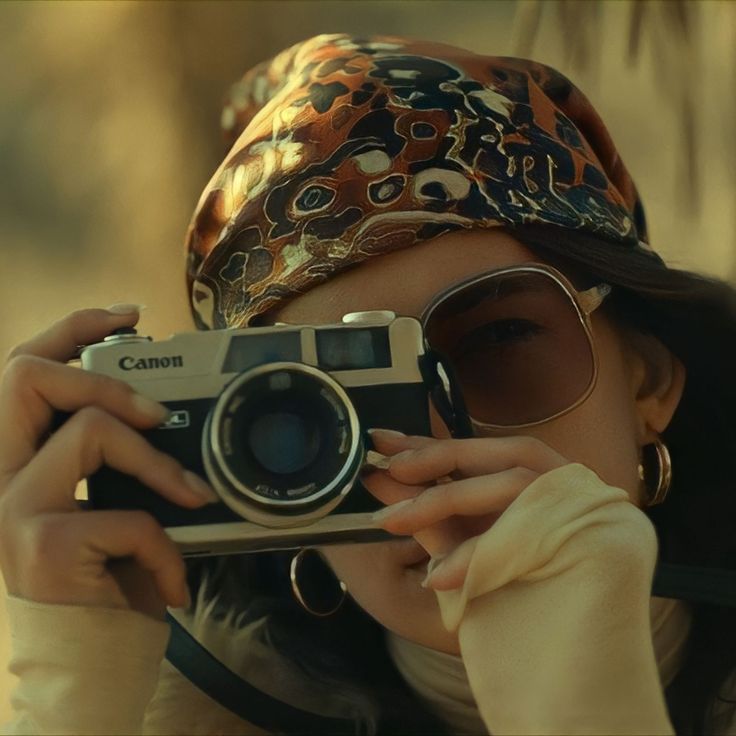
point(689, 48)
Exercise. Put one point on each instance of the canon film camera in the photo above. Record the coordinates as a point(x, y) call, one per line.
point(274, 418)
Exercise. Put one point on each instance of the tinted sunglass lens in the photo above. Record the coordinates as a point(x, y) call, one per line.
point(517, 345)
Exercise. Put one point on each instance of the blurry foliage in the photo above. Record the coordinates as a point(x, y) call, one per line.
point(676, 60)
point(673, 33)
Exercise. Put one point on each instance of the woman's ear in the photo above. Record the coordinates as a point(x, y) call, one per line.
point(657, 382)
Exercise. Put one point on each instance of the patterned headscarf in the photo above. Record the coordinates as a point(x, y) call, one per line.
point(346, 148)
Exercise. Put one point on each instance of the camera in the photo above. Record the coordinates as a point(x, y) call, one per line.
point(274, 418)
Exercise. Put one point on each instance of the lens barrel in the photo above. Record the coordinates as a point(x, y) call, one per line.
point(282, 444)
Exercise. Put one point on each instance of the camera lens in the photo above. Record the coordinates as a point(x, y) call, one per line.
point(283, 439)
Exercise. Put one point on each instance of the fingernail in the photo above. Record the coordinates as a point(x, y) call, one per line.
point(199, 487)
point(385, 432)
point(434, 564)
point(394, 508)
point(150, 408)
point(375, 461)
point(118, 309)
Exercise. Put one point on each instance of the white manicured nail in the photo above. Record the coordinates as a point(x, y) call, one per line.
point(376, 461)
point(118, 309)
point(150, 408)
point(386, 433)
point(434, 564)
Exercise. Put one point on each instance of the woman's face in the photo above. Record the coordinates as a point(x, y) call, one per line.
point(602, 433)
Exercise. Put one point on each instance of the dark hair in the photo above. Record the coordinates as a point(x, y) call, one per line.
point(695, 317)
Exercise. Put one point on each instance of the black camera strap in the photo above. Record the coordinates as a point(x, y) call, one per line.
point(194, 661)
point(237, 695)
point(709, 585)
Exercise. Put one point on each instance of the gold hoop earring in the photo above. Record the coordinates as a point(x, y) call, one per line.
point(664, 472)
point(296, 561)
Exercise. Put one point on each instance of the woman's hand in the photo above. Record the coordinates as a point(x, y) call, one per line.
point(51, 550)
point(552, 607)
point(446, 492)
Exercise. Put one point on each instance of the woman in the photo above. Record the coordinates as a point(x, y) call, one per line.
point(483, 196)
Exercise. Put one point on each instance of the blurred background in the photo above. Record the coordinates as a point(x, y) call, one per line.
point(109, 129)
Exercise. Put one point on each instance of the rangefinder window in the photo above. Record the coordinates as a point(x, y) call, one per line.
point(343, 350)
point(249, 351)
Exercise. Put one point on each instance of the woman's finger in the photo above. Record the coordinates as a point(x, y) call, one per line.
point(481, 495)
point(485, 475)
point(388, 490)
point(90, 439)
point(61, 341)
point(472, 457)
point(389, 441)
point(32, 388)
point(439, 538)
point(88, 541)
point(449, 572)
point(120, 534)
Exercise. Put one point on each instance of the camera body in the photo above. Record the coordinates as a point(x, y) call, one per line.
point(275, 419)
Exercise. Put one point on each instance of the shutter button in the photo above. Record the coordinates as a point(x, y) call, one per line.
point(126, 334)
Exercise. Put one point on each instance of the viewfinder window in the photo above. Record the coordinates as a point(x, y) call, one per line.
point(247, 351)
point(351, 349)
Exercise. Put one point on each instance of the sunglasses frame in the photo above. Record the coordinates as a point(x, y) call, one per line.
point(585, 303)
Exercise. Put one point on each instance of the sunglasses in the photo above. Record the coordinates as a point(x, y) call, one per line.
point(519, 342)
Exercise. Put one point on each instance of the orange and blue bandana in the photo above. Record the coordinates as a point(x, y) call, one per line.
point(346, 148)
